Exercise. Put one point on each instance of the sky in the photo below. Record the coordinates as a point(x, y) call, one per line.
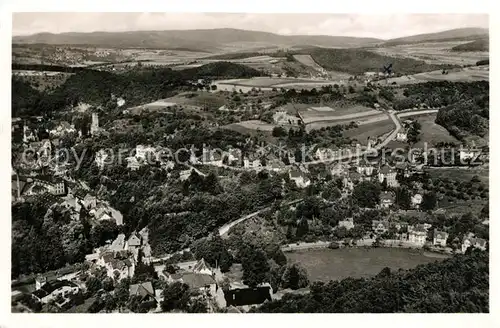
point(360, 25)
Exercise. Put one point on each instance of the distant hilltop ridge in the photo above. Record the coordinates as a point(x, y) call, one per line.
point(216, 39)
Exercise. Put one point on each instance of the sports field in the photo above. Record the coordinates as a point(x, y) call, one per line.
point(336, 264)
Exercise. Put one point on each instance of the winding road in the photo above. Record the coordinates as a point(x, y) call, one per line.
point(394, 116)
point(225, 228)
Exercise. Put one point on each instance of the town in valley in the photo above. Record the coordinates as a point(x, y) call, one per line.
point(238, 171)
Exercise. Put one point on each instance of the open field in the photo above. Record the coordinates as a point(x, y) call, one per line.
point(360, 121)
point(193, 101)
point(432, 133)
point(251, 127)
point(460, 173)
point(342, 114)
point(308, 61)
point(267, 83)
point(336, 264)
point(467, 74)
point(372, 131)
point(433, 53)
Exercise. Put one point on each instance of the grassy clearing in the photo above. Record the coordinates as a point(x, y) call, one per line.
point(374, 130)
point(308, 61)
point(432, 133)
point(326, 264)
point(460, 174)
point(336, 112)
point(253, 128)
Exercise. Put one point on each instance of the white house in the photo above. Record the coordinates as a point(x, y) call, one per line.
point(51, 290)
point(347, 223)
point(417, 235)
point(469, 241)
point(380, 227)
point(61, 129)
point(132, 163)
point(467, 154)
point(212, 157)
point(440, 238)
point(100, 158)
point(386, 172)
point(323, 154)
point(300, 179)
point(143, 151)
point(365, 169)
point(281, 117)
point(402, 136)
point(416, 200)
point(387, 199)
point(251, 164)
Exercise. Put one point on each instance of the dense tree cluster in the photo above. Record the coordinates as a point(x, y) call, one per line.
point(44, 239)
point(458, 284)
point(137, 86)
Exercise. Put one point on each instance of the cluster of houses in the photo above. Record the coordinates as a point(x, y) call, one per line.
point(25, 186)
point(415, 236)
point(121, 257)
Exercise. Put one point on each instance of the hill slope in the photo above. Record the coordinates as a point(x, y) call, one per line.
point(358, 61)
point(95, 87)
point(208, 39)
point(469, 33)
point(478, 45)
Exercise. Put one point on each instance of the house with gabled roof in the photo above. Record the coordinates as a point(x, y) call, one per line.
point(380, 226)
point(300, 179)
point(470, 240)
point(417, 235)
point(440, 238)
point(387, 199)
point(388, 174)
point(348, 223)
point(145, 291)
point(52, 289)
point(202, 267)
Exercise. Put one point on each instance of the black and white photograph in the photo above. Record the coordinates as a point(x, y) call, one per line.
point(249, 163)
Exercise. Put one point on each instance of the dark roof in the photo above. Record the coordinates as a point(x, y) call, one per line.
point(385, 169)
point(143, 289)
point(197, 280)
point(107, 257)
point(387, 196)
point(247, 296)
point(375, 223)
point(440, 234)
point(51, 286)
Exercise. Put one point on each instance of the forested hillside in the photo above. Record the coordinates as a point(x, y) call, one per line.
point(138, 86)
point(477, 45)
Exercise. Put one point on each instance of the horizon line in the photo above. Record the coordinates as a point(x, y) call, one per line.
point(249, 30)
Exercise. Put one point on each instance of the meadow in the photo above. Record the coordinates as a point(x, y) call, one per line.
point(434, 53)
point(432, 133)
point(372, 131)
point(336, 264)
